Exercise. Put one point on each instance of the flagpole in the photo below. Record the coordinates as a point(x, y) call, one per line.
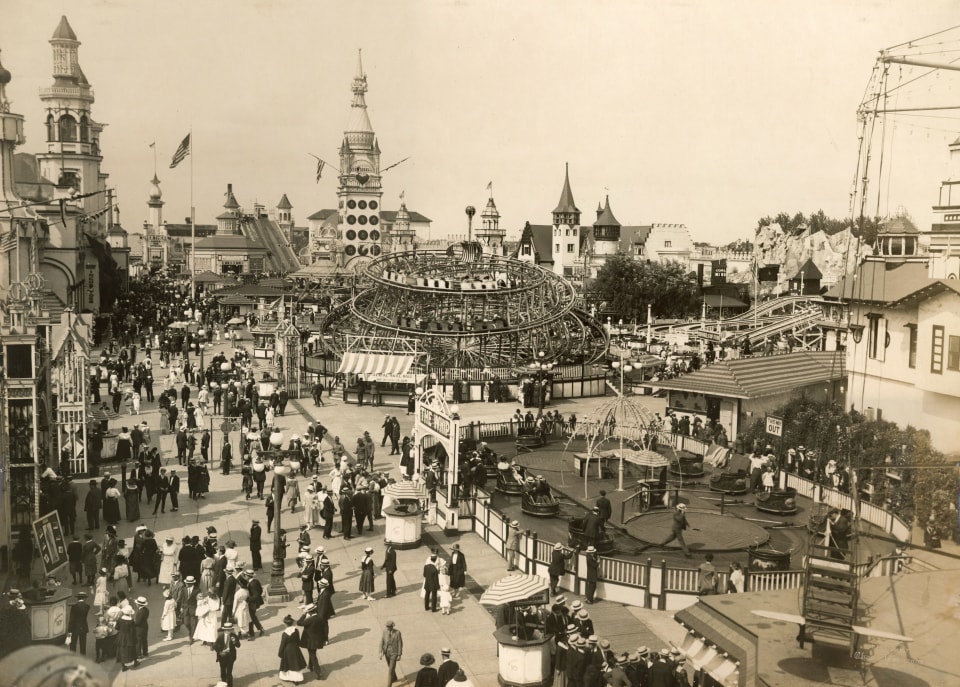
point(193, 230)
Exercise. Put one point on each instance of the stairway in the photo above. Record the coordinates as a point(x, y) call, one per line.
point(830, 594)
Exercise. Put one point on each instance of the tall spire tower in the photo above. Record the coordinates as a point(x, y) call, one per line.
point(490, 234)
point(566, 229)
point(359, 192)
point(73, 157)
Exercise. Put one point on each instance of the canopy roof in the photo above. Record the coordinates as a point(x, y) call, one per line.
point(373, 365)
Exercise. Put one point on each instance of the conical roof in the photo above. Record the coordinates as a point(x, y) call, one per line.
point(284, 203)
point(64, 32)
point(231, 202)
point(606, 218)
point(566, 203)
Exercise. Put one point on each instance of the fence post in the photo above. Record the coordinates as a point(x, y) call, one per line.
point(534, 538)
point(647, 602)
point(746, 579)
point(662, 601)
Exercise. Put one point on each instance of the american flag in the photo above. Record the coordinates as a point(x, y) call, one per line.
point(182, 152)
point(320, 164)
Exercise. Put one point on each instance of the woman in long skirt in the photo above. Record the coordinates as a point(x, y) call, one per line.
point(292, 663)
point(126, 640)
point(149, 558)
point(170, 553)
point(241, 610)
point(100, 594)
point(366, 573)
point(208, 618)
point(206, 575)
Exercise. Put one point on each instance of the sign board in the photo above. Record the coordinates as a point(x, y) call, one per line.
point(775, 425)
point(48, 536)
point(435, 421)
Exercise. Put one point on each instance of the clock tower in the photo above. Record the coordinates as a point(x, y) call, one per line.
point(359, 193)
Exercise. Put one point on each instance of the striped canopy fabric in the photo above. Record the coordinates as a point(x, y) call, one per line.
point(370, 365)
point(514, 588)
point(407, 489)
point(647, 459)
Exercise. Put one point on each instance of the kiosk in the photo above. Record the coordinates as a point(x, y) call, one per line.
point(404, 516)
point(523, 662)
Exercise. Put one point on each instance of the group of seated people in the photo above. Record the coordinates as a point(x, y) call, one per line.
point(537, 489)
point(486, 282)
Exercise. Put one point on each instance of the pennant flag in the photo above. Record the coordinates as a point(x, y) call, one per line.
point(153, 144)
point(401, 194)
point(320, 164)
point(490, 187)
point(182, 152)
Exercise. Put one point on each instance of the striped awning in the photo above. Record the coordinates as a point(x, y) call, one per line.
point(373, 365)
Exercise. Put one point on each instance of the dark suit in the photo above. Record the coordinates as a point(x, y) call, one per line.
point(390, 567)
point(255, 535)
point(315, 635)
point(226, 598)
point(226, 650)
point(255, 589)
point(431, 585)
point(447, 670)
point(78, 626)
point(174, 492)
point(190, 609)
point(140, 618)
point(661, 674)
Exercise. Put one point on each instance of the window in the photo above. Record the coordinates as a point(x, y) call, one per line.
point(526, 249)
point(912, 354)
point(569, 247)
point(20, 361)
point(877, 337)
point(68, 128)
point(936, 350)
point(557, 249)
point(953, 353)
point(668, 244)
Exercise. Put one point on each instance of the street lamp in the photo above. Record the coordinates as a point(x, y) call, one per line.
point(619, 364)
point(278, 588)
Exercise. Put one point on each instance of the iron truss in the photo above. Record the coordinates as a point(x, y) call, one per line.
point(467, 309)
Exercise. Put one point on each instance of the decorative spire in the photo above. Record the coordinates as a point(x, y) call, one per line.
point(566, 204)
point(359, 119)
point(155, 193)
point(606, 218)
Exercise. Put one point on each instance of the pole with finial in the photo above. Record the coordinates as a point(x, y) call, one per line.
point(471, 211)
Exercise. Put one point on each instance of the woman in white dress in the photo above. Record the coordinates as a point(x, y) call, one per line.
point(100, 594)
point(310, 507)
point(168, 619)
point(170, 553)
point(270, 417)
point(198, 416)
point(208, 618)
point(241, 609)
point(444, 573)
point(336, 481)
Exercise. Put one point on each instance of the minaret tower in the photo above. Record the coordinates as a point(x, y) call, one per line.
point(606, 233)
point(359, 191)
point(73, 157)
point(155, 204)
point(566, 228)
point(490, 234)
point(228, 221)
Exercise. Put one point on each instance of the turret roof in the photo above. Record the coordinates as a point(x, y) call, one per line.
point(284, 203)
point(566, 203)
point(606, 218)
point(64, 32)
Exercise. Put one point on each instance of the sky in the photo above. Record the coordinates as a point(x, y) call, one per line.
point(696, 112)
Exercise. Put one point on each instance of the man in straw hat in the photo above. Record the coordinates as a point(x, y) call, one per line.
point(391, 650)
point(513, 546)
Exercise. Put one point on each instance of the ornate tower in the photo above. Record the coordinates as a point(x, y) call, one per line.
point(228, 221)
point(285, 216)
point(359, 192)
point(73, 157)
point(490, 234)
point(402, 235)
point(606, 233)
point(566, 229)
point(155, 204)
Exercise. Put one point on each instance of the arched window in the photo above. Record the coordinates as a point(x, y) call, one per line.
point(68, 128)
point(51, 128)
point(84, 129)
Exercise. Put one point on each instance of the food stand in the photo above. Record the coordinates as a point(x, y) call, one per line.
point(404, 516)
point(264, 341)
point(523, 662)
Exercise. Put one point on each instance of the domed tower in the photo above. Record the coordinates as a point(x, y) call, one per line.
point(897, 237)
point(72, 158)
point(606, 233)
point(566, 228)
point(403, 237)
point(359, 191)
point(490, 234)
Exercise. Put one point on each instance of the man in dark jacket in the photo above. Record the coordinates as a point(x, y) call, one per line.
point(229, 591)
point(431, 584)
point(327, 510)
point(593, 572)
point(78, 626)
point(226, 650)
point(255, 589)
point(346, 513)
point(362, 508)
point(678, 526)
point(315, 635)
point(92, 505)
point(140, 622)
point(255, 536)
point(448, 668)
point(174, 490)
point(557, 565)
point(390, 567)
point(163, 487)
point(182, 446)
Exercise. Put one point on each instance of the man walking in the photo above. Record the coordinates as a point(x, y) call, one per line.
point(78, 625)
point(174, 491)
point(593, 572)
point(255, 590)
point(190, 605)
point(140, 623)
point(391, 650)
point(315, 631)
point(255, 545)
point(677, 528)
point(226, 650)
point(91, 550)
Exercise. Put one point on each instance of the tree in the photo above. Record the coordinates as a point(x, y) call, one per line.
point(629, 285)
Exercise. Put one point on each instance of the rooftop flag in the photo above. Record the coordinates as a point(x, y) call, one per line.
point(182, 152)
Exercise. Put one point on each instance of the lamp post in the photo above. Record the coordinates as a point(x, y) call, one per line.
point(619, 364)
point(278, 588)
point(542, 369)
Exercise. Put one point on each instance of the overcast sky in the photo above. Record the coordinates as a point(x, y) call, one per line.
point(699, 112)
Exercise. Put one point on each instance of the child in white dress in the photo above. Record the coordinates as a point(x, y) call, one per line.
point(445, 598)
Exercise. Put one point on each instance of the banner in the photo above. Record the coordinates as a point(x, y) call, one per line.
point(48, 536)
point(774, 425)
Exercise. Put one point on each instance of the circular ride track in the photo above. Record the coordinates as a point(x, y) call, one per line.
point(468, 309)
